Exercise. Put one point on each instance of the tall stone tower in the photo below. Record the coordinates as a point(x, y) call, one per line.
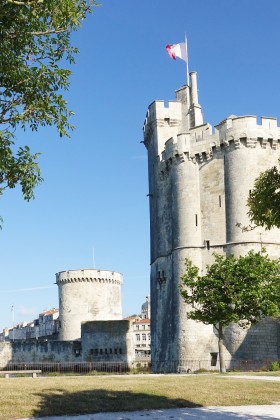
point(199, 181)
point(87, 295)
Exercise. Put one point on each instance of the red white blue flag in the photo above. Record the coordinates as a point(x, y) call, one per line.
point(178, 51)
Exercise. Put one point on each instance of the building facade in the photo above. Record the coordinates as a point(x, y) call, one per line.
point(142, 340)
point(199, 181)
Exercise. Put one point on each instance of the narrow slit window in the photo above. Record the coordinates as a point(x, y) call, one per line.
point(207, 243)
point(196, 220)
point(220, 201)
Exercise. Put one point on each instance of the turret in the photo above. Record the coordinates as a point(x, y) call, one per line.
point(87, 295)
point(195, 108)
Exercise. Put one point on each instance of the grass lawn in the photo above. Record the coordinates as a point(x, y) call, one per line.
point(275, 373)
point(28, 397)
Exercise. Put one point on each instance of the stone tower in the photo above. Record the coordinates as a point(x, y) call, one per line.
point(87, 295)
point(199, 181)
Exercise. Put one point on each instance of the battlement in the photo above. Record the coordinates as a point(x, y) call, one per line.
point(247, 127)
point(158, 112)
point(200, 142)
point(88, 276)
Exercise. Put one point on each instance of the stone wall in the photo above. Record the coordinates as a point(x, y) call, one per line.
point(38, 352)
point(108, 341)
point(260, 342)
point(5, 353)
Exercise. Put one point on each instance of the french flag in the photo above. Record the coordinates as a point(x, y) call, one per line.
point(178, 51)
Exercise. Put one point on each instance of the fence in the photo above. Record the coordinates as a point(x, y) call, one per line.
point(191, 365)
point(80, 368)
point(183, 366)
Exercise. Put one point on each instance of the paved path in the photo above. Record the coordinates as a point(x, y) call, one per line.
point(262, 378)
point(249, 412)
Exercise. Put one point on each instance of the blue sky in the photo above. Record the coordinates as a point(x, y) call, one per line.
point(95, 186)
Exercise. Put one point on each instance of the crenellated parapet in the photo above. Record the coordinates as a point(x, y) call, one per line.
point(89, 276)
point(163, 119)
point(200, 143)
point(247, 129)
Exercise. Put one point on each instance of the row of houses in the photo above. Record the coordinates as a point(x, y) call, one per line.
point(46, 326)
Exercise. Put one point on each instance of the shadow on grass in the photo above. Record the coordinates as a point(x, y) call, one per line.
point(56, 402)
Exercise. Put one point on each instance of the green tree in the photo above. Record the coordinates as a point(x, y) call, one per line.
point(264, 200)
point(35, 50)
point(241, 290)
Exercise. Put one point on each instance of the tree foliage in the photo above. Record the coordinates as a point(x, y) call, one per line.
point(241, 290)
point(264, 200)
point(34, 43)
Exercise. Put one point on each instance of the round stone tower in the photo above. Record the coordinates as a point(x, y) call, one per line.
point(87, 295)
point(249, 148)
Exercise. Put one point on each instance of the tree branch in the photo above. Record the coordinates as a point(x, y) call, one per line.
point(25, 3)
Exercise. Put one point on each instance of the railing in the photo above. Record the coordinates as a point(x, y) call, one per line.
point(157, 366)
point(191, 365)
point(80, 368)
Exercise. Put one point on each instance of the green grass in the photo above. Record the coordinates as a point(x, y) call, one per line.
point(38, 397)
point(263, 373)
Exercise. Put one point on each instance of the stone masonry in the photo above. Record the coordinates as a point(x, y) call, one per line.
point(87, 295)
point(199, 181)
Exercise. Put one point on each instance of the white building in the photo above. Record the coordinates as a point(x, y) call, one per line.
point(46, 326)
point(48, 322)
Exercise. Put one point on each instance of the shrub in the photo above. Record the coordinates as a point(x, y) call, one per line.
point(273, 367)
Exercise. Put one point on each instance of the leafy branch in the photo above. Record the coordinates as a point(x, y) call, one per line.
point(34, 42)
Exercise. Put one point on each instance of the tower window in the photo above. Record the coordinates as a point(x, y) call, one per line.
point(207, 243)
point(196, 220)
point(220, 201)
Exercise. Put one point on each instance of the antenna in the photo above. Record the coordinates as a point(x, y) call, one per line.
point(93, 257)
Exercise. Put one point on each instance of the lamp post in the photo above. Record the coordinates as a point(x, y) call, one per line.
point(13, 315)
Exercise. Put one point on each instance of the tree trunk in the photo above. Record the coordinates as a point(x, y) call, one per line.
point(221, 348)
